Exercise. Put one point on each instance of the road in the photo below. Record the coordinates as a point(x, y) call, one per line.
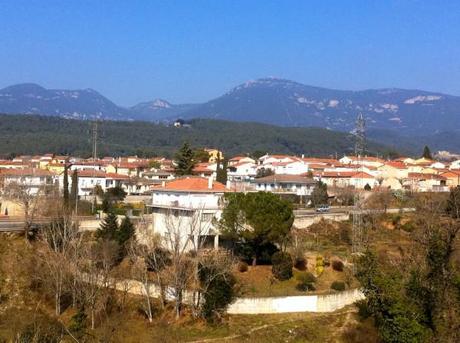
point(16, 224)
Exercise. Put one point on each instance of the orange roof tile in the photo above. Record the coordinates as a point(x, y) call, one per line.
point(192, 184)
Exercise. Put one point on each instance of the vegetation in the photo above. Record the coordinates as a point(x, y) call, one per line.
point(255, 220)
point(306, 281)
point(282, 265)
point(185, 160)
point(319, 195)
point(43, 134)
point(427, 153)
point(415, 298)
point(338, 286)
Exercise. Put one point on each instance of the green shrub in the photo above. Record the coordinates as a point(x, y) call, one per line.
point(242, 267)
point(408, 227)
point(282, 265)
point(337, 265)
point(363, 309)
point(338, 286)
point(306, 281)
point(219, 291)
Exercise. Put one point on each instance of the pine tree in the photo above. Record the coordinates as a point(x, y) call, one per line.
point(427, 153)
point(109, 228)
point(125, 232)
point(184, 160)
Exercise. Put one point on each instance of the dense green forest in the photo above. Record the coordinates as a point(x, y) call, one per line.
point(32, 134)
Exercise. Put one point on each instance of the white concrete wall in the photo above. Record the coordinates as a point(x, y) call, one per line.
point(307, 303)
point(273, 305)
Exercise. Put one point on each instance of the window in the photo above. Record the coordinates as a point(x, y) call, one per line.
point(207, 217)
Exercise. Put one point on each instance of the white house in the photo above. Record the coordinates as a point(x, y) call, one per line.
point(32, 179)
point(294, 184)
point(187, 208)
point(242, 171)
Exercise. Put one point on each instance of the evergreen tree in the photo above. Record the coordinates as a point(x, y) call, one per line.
point(319, 195)
point(125, 232)
point(184, 160)
point(256, 220)
point(427, 153)
point(66, 186)
point(221, 170)
point(74, 188)
point(453, 203)
point(109, 228)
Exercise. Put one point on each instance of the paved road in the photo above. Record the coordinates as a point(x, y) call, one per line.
point(16, 224)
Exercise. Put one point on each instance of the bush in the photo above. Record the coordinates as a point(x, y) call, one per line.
point(363, 309)
point(242, 267)
point(338, 286)
point(337, 265)
point(408, 227)
point(300, 263)
point(319, 265)
point(306, 281)
point(219, 291)
point(282, 265)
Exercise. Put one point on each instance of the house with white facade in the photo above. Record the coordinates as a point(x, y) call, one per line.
point(188, 207)
point(290, 184)
point(34, 180)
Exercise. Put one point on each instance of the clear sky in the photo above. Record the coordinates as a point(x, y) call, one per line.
point(192, 51)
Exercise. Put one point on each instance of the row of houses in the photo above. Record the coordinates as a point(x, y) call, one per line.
point(275, 173)
point(292, 173)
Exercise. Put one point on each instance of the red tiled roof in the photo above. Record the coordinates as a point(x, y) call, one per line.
point(362, 175)
point(116, 176)
point(192, 184)
point(422, 176)
point(91, 173)
point(26, 172)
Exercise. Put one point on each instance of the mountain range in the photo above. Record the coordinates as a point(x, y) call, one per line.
point(388, 112)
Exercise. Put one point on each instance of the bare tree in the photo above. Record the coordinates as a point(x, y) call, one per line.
point(63, 243)
point(27, 198)
point(149, 260)
point(183, 239)
point(95, 267)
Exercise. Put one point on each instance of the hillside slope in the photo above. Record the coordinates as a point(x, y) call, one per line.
point(30, 134)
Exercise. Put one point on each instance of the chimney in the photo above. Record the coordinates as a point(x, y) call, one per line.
point(303, 156)
point(163, 184)
point(210, 182)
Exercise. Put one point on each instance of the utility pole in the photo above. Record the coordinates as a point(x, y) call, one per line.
point(94, 141)
point(357, 230)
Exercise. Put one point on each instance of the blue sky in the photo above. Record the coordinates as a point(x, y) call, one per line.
point(192, 51)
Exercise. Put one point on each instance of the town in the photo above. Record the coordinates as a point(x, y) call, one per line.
point(229, 171)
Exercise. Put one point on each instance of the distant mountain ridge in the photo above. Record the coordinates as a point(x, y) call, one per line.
point(29, 98)
point(414, 113)
point(287, 103)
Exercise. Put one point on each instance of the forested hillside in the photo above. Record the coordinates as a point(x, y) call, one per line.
point(30, 134)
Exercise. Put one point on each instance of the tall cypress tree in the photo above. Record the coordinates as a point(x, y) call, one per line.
point(427, 153)
point(74, 188)
point(184, 160)
point(66, 185)
point(221, 170)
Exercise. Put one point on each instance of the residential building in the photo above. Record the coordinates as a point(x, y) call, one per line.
point(187, 208)
point(293, 184)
